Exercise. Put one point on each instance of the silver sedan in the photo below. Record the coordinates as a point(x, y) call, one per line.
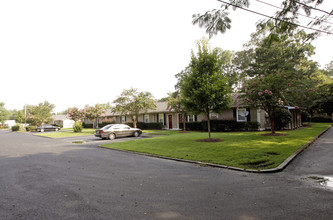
point(113, 131)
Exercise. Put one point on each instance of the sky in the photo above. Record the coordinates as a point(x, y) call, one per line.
point(82, 52)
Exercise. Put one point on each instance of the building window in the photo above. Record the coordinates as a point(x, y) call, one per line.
point(147, 118)
point(242, 114)
point(161, 118)
point(191, 118)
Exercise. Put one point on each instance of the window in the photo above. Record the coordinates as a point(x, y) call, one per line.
point(161, 118)
point(147, 118)
point(242, 114)
point(191, 118)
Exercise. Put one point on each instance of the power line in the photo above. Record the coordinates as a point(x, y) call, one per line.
point(300, 3)
point(278, 19)
point(297, 13)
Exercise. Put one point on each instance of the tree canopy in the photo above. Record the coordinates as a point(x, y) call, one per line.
point(40, 114)
point(132, 102)
point(93, 112)
point(76, 114)
point(286, 18)
point(203, 87)
point(4, 113)
point(280, 72)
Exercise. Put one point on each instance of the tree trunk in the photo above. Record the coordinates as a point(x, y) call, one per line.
point(208, 125)
point(272, 124)
point(93, 121)
point(135, 121)
point(183, 116)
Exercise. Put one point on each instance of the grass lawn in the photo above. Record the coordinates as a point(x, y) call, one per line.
point(248, 150)
point(67, 133)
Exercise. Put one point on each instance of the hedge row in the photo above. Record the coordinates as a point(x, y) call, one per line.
point(221, 125)
point(30, 128)
point(147, 126)
point(321, 119)
point(141, 125)
point(18, 127)
point(100, 125)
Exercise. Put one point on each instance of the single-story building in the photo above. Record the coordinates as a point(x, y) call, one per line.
point(171, 119)
point(62, 121)
point(8, 123)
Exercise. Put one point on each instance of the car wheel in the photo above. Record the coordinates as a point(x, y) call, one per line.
point(136, 134)
point(42, 130)
point(56, 129)
point(112, 136)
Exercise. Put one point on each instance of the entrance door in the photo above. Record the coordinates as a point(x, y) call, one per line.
point(170, 121)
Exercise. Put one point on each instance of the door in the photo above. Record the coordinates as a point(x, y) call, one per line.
point(170, 121)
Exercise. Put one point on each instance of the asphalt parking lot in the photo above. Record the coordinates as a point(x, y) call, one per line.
point(43, 178)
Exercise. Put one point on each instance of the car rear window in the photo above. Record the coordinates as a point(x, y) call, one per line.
point(107, 126)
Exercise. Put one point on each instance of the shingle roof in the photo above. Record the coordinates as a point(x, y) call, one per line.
point(161, 107)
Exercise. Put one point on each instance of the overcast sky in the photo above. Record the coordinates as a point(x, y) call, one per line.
point(78, 52)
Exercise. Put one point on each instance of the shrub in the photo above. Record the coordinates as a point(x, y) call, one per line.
point(77, 126)
point(150, 126)
point(305, 116)
point(282, 118)
point(221, 125)
point(18, 127)
point(193, 126)
point(87, 125)
point(252, 125)
point(30, 128)
point(321, 118)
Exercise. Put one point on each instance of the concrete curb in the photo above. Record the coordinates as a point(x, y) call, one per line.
point(272, 170)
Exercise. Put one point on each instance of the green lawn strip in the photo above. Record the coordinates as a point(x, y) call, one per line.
point(248, 150)
point(67, 133)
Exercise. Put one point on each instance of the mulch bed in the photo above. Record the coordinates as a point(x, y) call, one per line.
point(276, 134)
point(209, 140)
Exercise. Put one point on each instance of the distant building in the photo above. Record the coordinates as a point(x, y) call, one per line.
point(62, 121)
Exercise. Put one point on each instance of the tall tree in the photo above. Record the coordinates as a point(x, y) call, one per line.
point(279, 71)
point(93, 112)
point(20, 117)
point(329, 69)
point(40, 114)
point(204, 88)
point(75, 114)
point(131, 102)
point(324, 102)
point(4, 113)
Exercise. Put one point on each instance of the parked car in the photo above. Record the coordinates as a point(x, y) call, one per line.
point(47, 128)
point(113, 131)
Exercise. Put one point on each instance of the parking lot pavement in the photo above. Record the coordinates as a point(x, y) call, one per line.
point(44, 178)
point(92, 140)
